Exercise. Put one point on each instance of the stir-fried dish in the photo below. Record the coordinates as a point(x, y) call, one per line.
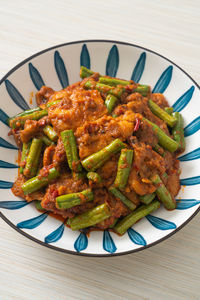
point(100, 153)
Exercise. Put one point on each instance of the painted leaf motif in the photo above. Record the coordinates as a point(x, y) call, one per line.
point(32, 223)
point(5, 184)
point(139, 68)
point(183, 100)
point(81, 242)
point(160, 223)
point(193, 127)
point(55, 235)
point(61, 70)
point(112, 62)
point(35, 77)
point(108, 243)
point(15, 95)
point(195, 154)
point(6, 165)
point(186, 203)
point(85, 57)
point(163, 81)
point(13, 204)
point(136, 237)
point(4, 117)
point(5, 144)
point(190, 181)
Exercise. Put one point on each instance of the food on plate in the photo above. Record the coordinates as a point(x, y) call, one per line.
point(101, 153)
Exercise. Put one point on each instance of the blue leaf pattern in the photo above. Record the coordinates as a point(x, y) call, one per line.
point(36, 77)
point(5, 144)
point(4, 117)
point(186, 203)
point(195, 154)
point(190, 181)
point(5, 184)
point(13, 204)
point(61, 70)
point(160, 224)
point(55, 235)
point(136, 237)
point(85, 57)
point(6, 165)
point(112, 62)
point(183, 100)
point(81, 242)
point(15, 95)
point(108, 243)
point(33, 223)
point(139, 68)
point(193, 127)
point(163, 81)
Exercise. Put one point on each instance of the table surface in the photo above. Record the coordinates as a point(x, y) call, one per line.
point(170, 270)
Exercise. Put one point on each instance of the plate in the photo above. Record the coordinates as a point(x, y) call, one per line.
point(58, 67)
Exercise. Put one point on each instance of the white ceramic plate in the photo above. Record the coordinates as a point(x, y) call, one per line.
point(59, 66)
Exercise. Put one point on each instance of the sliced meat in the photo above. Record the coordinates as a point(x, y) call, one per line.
point(43, 95)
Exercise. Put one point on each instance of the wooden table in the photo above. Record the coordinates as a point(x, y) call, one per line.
point(170, 270)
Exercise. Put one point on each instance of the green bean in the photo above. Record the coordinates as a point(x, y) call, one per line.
point(24, 113)
point(159, 150)
point(142, 89)
point(124, 167)
point(163, 194)
point(123, 198)
point(38, 182)
point(38, 205)
point(71, 200)
point(114, 223)
point(20, 121)
point(79, 175)
point(122, 226)
point(148, 198)
point(110, 102)
point(115, 91)
point(93, 176)
point(164, 140)
point(113, 81)
point(162, 114)
point(47, 141)
point(33, 157)
point(70, 146)
point(178, 132)
point(50, 132)
point(90, 217)
point(169, 110)
point(96, 160)
point(49, 104)
point(24, 154)
point(84, 72)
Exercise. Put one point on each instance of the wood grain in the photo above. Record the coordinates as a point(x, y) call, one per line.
point(170, 270)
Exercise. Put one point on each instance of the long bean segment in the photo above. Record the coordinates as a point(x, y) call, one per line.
point(38, 182)
point(123, 198)
point(142, 89)
point(164, 140)
point(38, 205)
point(49, 104)
point(85, 72)
point(103, 88)
point(159, 150)
point(33, 158)
point(110, 102)
point(163, 194)
point(24, 155)
point(90, 217)
point(71, 200)
point(169, 110)
point(178, 131)
point(70, 146)
point(50, 132)
point(124, 167)
point(47, 141)
point(122, 226)
point(113, 81)
point(96, 160)
point(20, 120)
point(93, 176)
point(24, 113)
point(148, 198)
point(162, 114)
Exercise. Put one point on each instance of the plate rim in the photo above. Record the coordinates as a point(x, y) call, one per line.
point(82, 253)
